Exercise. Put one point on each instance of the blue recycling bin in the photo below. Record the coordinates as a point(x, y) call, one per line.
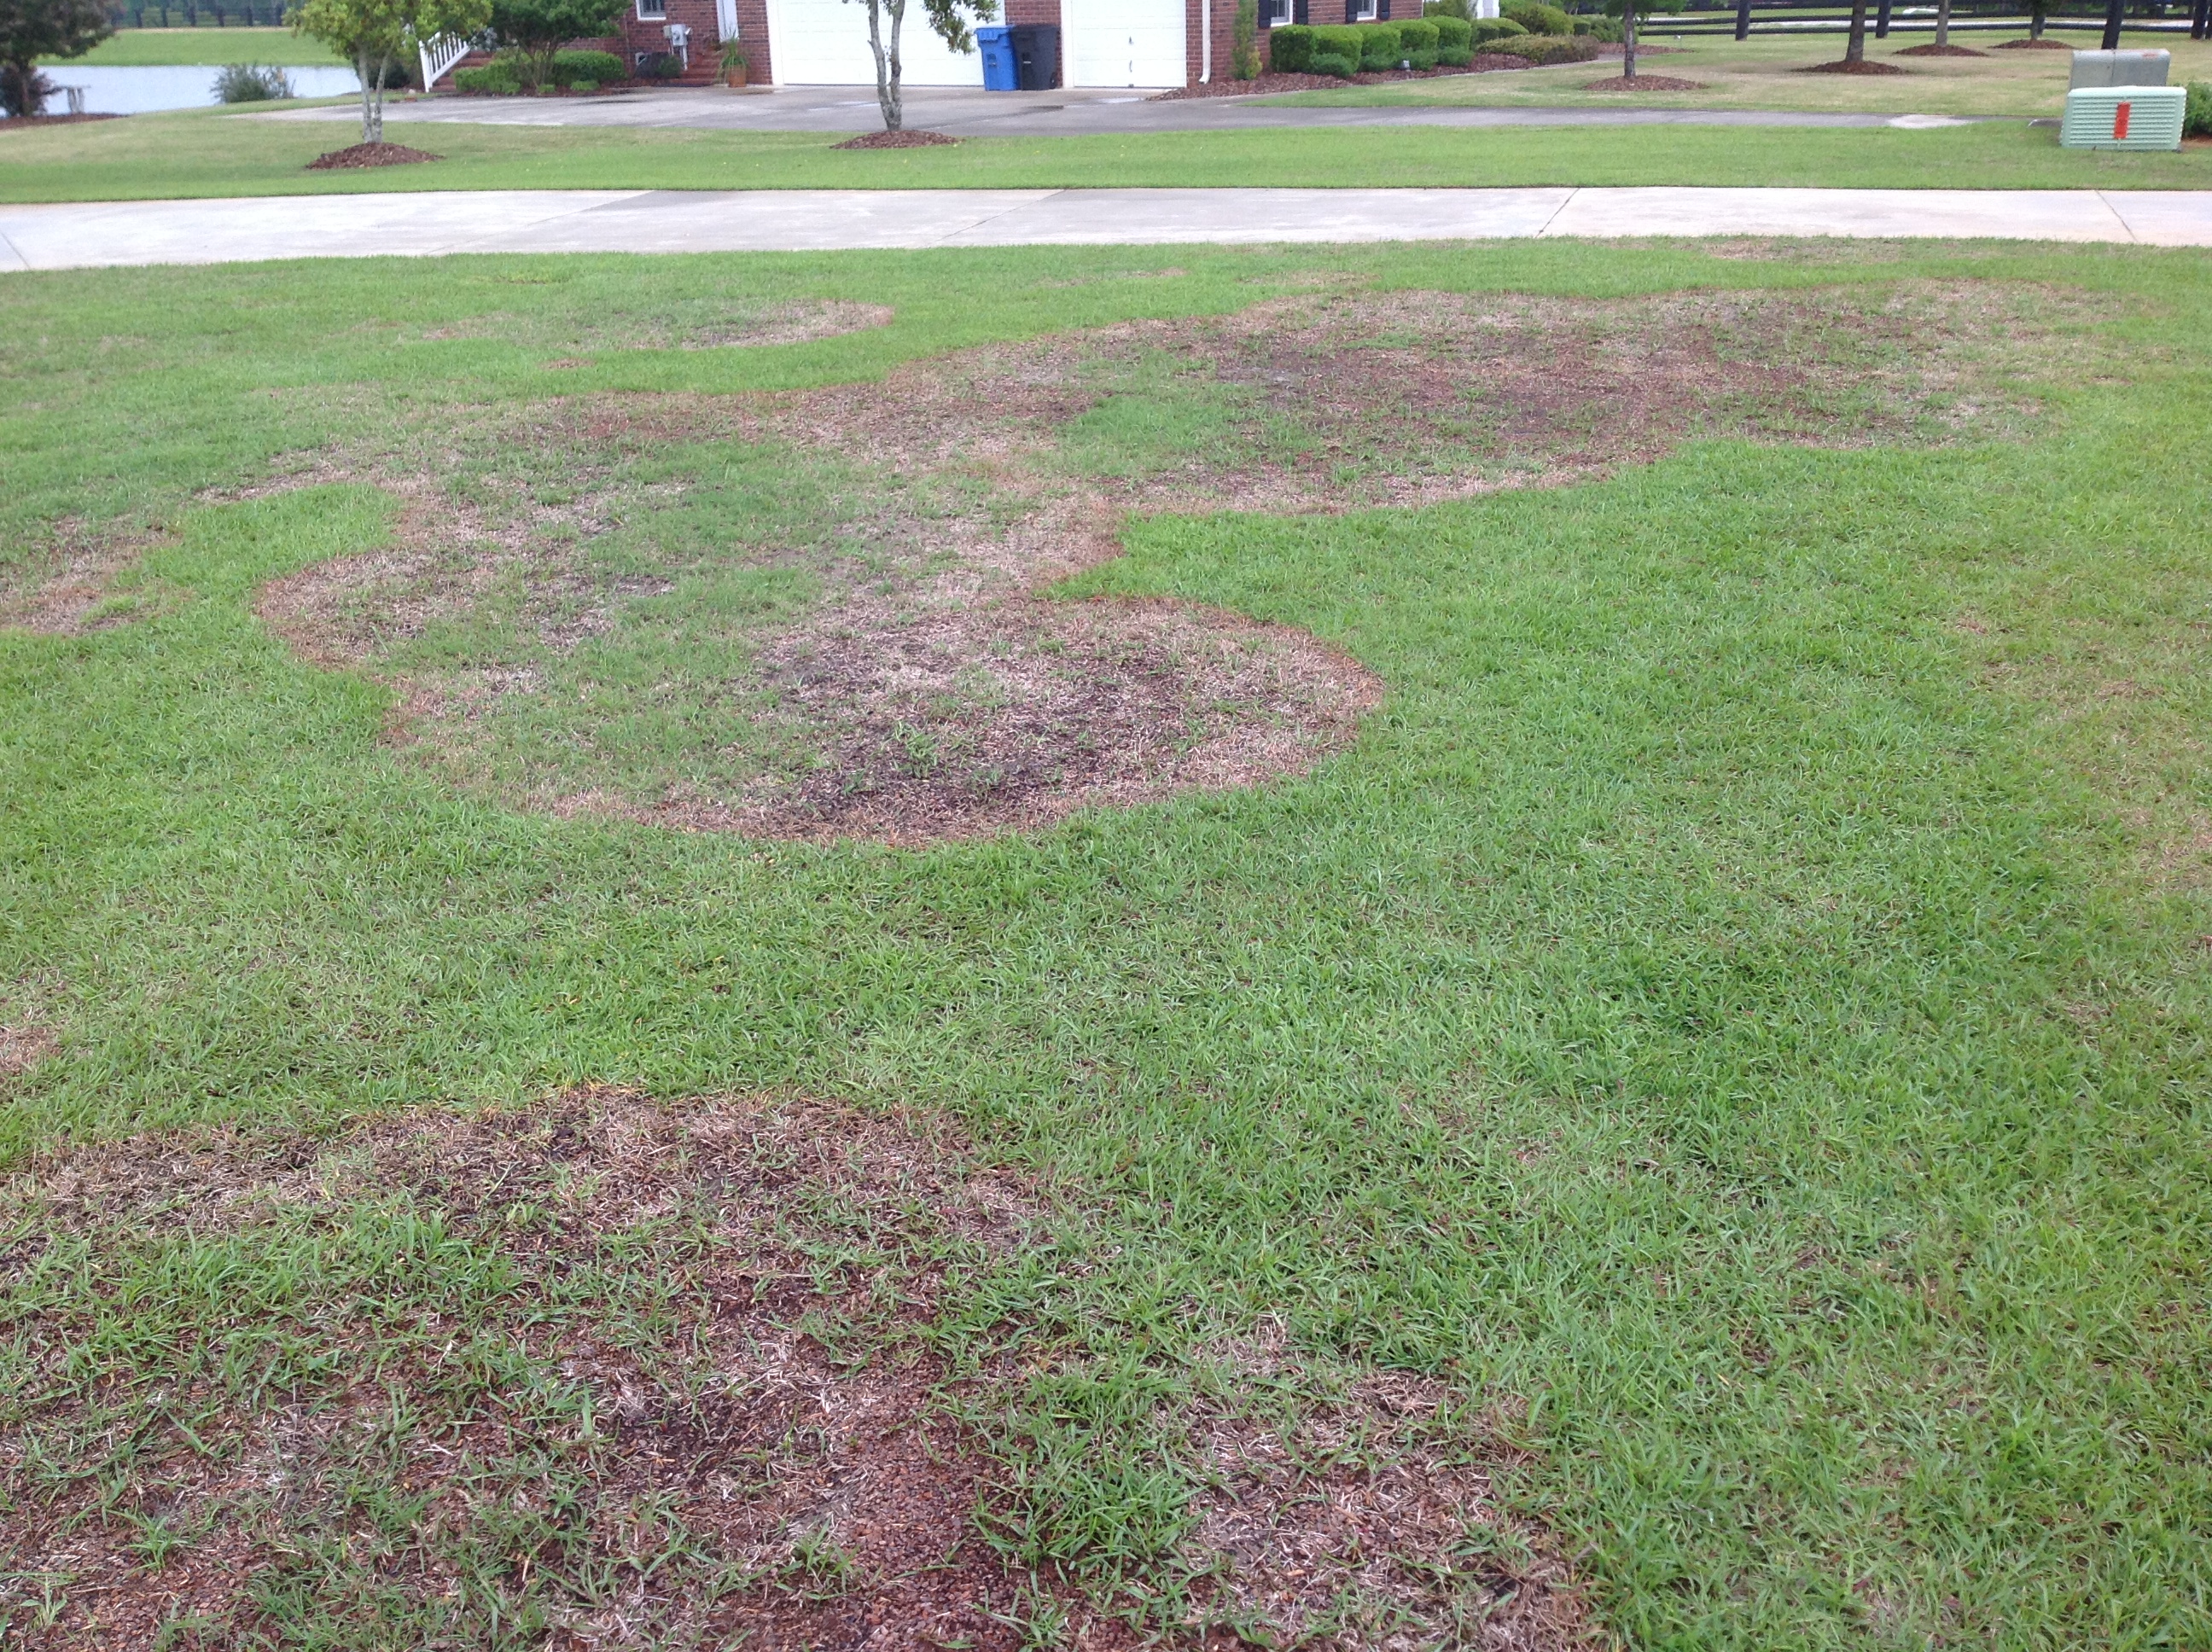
point(1000, 74)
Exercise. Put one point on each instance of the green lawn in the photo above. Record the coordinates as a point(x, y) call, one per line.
point(153, 47)
point(1761, 73)
point(1735, 1024)
point(214, 152)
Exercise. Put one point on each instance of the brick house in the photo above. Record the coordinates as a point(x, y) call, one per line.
point(1103, 43)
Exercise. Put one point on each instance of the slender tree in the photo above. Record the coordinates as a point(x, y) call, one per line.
point(950, 18)
point(1942, 24)
point(1855, 52)
point(1628, 11)
point(1244, 41)
point(374, 34)
point(32, 29)
point(537, 29)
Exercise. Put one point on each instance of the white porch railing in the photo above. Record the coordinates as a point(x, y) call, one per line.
point(438, 53)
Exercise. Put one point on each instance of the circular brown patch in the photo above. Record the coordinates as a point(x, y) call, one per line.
point(900, 140)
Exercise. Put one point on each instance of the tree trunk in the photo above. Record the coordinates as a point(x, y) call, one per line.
point(887, 62)
point(1628, 41)
point(1855, 51)
point(371, 71)
point(2112, 20)
point(2035, 21)
point(1942, 22)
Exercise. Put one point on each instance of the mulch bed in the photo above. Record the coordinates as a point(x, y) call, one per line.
point(1866, 66)
point(1931, 50)
point(370, 155)
point(895, 140)
point(2035, 45)
point(1482, 63)
point(1643, 83)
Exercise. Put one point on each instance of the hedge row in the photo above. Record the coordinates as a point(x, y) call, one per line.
point(583, 71)
point(1347, 49)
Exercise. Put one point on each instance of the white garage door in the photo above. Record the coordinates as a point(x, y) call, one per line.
point(826, 42)
point(1123, 42)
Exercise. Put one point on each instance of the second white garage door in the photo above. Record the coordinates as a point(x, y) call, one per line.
point(1122, 42)
point(826, 42)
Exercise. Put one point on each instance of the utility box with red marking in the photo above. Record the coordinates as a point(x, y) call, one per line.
point(2124, 118)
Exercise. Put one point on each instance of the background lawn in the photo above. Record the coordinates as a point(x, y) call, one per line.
point(154, 47)
point(1761, 73)
point(216, 152)
point(1737, 1019)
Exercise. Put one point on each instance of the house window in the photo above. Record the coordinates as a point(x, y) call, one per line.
point(1275, 13)
point(1361, 11)
point(651, 11)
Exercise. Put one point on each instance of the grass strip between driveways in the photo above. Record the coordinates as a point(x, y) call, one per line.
point(213, 152)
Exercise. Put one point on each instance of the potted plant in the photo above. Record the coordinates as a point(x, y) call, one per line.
point(733, 63)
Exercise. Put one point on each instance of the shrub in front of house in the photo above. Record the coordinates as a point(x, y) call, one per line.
point(1455, 39)
point(2197, 112)
point(1542, 49)
point(1290, 49)
point(498, 78)
point(571, 68)
point(1337, 40)
point(1379, 48)
point(1332, 63)
point(1537, 17)
point(1419, 40)
point(1490, 30)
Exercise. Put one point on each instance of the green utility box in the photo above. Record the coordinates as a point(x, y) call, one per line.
point(2124, 118)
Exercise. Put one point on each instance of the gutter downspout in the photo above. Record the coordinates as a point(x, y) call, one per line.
point(1205, 41)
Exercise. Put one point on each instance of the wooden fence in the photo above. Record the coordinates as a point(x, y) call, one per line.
point(1885, 18)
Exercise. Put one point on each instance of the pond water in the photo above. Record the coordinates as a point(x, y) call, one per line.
point(187, 86)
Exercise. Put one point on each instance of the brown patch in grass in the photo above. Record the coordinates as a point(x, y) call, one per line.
point(831, 1493)
point(898, 140)
point(359, 155)
point(937, 695)
point(1363, 1518)
point(694, 1371)
point(23, 1047)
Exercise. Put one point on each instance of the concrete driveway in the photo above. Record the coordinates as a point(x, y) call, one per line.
point(75, 235)
point(960, 113)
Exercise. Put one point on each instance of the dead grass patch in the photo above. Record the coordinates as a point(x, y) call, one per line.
point(22, 1046)
point(609, 1373)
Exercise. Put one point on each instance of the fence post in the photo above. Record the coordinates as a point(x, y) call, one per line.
point(1743, 17)
point(1882, 22)
point(2200, 21)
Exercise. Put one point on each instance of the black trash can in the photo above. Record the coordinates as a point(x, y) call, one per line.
point(1036, 56)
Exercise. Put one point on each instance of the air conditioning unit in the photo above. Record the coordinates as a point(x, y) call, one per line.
point(2124, 118)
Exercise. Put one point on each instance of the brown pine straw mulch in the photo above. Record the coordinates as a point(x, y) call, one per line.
point(1844, 66)
point(2035, 45)
point(1931, 50)
point(369, 154)
point(1643, 83)
point(903, 140)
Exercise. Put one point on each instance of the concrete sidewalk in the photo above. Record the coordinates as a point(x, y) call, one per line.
point(79, 235)
point(959, 112)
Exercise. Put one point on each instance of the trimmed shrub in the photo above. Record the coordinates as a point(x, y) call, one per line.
point(496, 79)
point(1496, 28)
point(1537, 17)
point(1417, 39)
point(1290, 49)
point(583, 86)
point(1541, 48)
point(2197, 115)
point(251, 82)
point(1332, 63)
point(1600, 29)
point(597, 67)
point(1456, 9)
point(1379, 47)
point(1343, 40)
point(1453, 33)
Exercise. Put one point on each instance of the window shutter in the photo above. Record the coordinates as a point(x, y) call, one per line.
point(1297, 11)
point(1382, 11)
